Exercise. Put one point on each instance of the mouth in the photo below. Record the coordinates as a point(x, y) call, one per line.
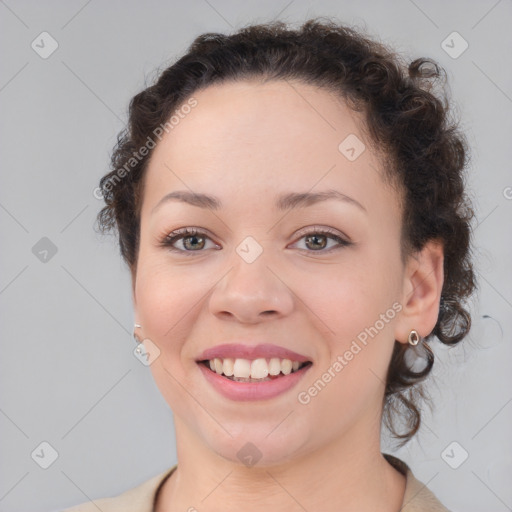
point(255, 370)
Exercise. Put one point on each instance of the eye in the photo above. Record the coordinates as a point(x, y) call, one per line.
point(195, 240)
point(318, 239)
point(191, 240)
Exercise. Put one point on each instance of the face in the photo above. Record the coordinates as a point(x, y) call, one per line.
point(321, 277)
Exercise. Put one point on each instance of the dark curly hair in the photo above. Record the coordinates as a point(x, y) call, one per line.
point(407, 122)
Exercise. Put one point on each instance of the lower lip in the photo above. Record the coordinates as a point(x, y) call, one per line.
point(252, 390)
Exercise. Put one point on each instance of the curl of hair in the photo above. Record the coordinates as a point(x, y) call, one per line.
point(423, 151)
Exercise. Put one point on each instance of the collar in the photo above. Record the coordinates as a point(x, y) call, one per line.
point(417, 497)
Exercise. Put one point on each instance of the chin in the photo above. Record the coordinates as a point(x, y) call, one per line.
point(254, 447)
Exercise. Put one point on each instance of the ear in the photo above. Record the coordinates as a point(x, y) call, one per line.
point(421, 291)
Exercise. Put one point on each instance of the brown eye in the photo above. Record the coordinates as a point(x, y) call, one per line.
point(193, 242)
point(322, 241)
point(317, 241)
point(186, 240)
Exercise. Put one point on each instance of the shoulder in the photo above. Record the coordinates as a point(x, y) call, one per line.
point(139, 499)
point(417, 497)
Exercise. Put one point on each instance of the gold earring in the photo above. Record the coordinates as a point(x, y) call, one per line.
point(138, 349)
point(414, 338)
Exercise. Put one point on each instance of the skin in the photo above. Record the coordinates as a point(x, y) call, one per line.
point(247, 143)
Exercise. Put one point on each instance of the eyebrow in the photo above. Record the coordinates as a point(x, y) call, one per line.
point(286, 201)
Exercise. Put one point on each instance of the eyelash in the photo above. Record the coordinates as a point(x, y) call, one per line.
point(182, 233)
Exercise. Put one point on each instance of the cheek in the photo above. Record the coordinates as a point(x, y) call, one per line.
point(353, 306)
point(166, 297)
point(357, 326)
point(345, 298)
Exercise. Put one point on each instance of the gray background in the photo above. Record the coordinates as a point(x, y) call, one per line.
point(68, 373)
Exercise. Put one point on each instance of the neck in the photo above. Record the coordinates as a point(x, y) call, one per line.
point(347, 474)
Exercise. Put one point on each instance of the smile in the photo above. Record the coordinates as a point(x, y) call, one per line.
point(256, 370)
point(257, 379)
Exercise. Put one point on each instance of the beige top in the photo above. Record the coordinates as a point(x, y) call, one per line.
point(417, 497)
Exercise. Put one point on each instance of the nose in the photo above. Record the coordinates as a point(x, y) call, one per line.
point(251, 293)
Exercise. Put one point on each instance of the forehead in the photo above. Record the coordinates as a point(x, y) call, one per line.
point(265, 116)
point(262, 137)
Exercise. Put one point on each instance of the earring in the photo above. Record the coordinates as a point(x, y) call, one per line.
point(138, 349)
point(413, 338)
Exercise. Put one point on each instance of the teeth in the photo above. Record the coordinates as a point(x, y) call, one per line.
point(286, 366)
point(218, 365)
point(274, 366)
point(259, 369)
point(242, 368)
point(228, 367)
point(256, 369)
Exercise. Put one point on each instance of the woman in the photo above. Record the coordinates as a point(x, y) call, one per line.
point(291, 206)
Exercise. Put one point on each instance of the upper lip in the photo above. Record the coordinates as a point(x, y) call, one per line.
point(241, 351)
